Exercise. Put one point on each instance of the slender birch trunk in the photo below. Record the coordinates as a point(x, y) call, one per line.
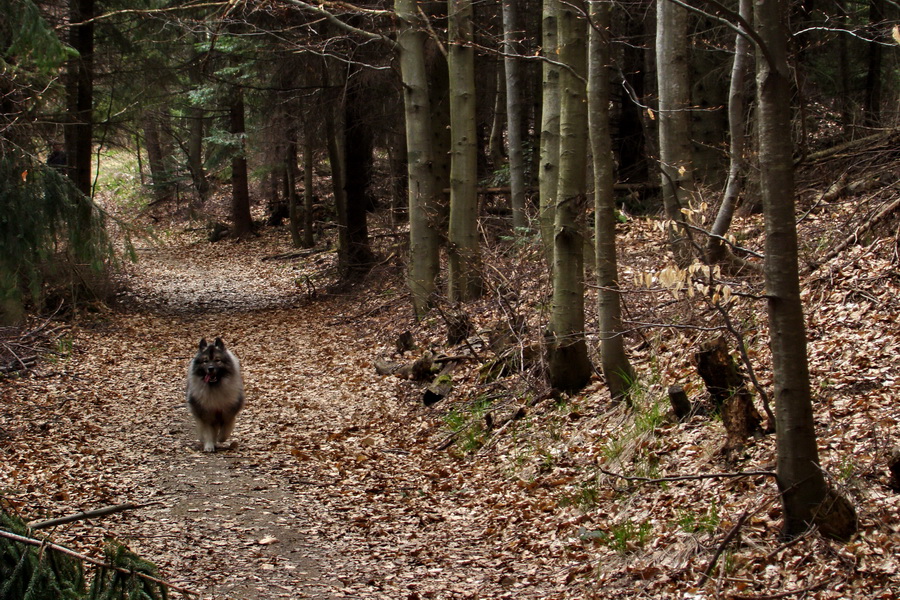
point(568, 364)
point(514, 115)
point(737, 128)
point(674, 117)
point(804, 492)
point(616, 368)
point(423, 209)
point(548, 174)
point(308, 163)
point(464, 255)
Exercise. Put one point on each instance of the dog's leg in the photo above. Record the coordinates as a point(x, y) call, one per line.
point(226, 429)
point(207, 437)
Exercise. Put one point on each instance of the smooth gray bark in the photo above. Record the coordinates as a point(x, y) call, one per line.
point(616, 369)
point(674, 117)
point(548, 173)
point(514, 136)
point(465, 280)
point(423, 209)
point(568, 364)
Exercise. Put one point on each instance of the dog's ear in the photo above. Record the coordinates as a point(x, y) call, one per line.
point(203, 344)
point(220, 344)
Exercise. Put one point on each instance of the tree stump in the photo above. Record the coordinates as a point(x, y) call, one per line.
point(459, 327)
point(419, 370)
point(894, 467)
point(405, 342)
point(836, 517)
point(681, 404)
point(441, 387)
point(728, 391)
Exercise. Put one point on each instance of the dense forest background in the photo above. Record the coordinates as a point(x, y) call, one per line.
point(660, 204)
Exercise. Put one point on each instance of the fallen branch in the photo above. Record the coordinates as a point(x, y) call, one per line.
point(295, 254)
point(100, 512)
point(690, 477)
point(99, 563)
point(854, 237)
point(802, 591)
point(725, 541)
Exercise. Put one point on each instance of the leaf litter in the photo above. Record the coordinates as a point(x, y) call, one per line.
point(340, 484)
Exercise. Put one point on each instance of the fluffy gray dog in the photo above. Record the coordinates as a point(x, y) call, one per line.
point(215, 392)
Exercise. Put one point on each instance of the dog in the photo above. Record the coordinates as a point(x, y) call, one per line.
point(215, 392)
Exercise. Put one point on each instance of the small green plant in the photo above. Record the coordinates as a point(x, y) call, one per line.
point(650, 417)
point(623, 537)
point(467, 424)
point(472, 438)
point(584, 497)
point(613, 449)
point(455, 420)
point(846, 469)
point(707, 522)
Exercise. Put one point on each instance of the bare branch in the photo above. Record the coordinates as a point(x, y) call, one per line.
point(331, 18)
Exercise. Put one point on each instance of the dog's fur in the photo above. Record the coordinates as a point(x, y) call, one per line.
point(215, 392)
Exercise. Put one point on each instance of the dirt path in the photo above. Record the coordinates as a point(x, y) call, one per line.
point(240, 523)
point(332, 488)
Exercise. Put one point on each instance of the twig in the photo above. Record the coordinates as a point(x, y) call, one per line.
point(295, 254)
point(788, 544)
point(852, 239)
point(804, 590)
point(724, 544)
point(690, 477)
point(745, 358)
point(62, 549)
point(100, 512)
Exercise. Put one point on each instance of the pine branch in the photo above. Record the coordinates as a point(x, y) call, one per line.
point(99, 563)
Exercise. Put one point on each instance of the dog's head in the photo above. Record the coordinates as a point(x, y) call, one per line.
point(213, 362)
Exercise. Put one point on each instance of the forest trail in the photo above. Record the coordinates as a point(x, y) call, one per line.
point(239, 523)
point(341, 484)
point(331, 488)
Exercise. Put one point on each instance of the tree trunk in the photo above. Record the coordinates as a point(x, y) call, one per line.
point(516, 157)
point(439, 99)
point(80, 92)
point(804, 492)
point(673, 82)
point(240, 189)
point(196, 128)
point(155, 157)
point(195, 153)
point(874, 80)
point(737, 127)
point(308, 240)
point(423, 210)
point(338, 188)
point(568, 364)
point(495, 143)
point(463, 252)
point(358, 148)
point(548, 174)
point(290, 176)
point(616, 368)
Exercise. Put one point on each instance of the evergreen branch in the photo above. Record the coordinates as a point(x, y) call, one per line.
point(99, 563)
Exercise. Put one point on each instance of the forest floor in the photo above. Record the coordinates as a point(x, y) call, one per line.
point(339, 483)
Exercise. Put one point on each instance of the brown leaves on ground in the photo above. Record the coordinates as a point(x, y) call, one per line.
point(340, 484)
